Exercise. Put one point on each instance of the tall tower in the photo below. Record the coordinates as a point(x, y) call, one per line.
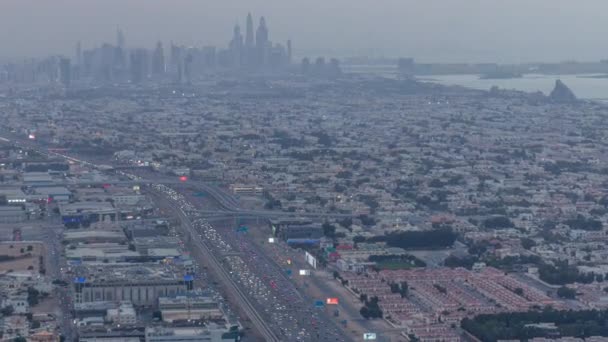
point(65, 72)
point(249, 37)
point(158, 60)
point(250, 54)
point(78, 69)
point(236, 46)
point(139, 65)
point(120, 38)
point(289, 52)
point(261, 42)
point(120, 53)
point(78, 54)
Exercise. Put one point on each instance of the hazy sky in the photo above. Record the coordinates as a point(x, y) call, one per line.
point(429, 30)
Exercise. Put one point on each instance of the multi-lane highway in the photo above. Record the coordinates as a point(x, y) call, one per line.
point(210, 259)
point(271, 302)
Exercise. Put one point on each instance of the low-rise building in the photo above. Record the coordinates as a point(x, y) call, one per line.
point(141, 285)
point(123, 315)
point(189, 307)
point(12, 214)
point(208, 333)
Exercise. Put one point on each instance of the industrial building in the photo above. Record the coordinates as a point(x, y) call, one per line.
point(141, 285)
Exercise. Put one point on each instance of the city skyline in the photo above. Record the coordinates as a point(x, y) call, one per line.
point(319, 171)
point(432, 32)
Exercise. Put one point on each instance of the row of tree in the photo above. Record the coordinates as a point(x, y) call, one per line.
point(403, 259)
point(562, 273)
point(523, 325)
point(430, 239)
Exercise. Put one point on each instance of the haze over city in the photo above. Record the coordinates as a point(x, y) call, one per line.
point(303, 171)
point(431, 30)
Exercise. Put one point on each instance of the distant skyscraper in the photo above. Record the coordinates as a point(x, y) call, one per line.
point(249, 42)
point(106, 63)
point(176, 62)
point(249, 38)
point(65, 75)
point(120, 53)
point(261, 42)
point(189, 67)
point(158, 60)
point(120, 39)
point(78, 58)
point(78, 54)
point(289, 52)
point(87, 68)
point(236, 47)
point(139, 65)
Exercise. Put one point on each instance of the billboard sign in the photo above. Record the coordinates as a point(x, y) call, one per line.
point(311, 260)
point(332, 301)
point(369, 336)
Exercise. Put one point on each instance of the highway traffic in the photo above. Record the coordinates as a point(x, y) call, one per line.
point(270, 300)
point(273, 303)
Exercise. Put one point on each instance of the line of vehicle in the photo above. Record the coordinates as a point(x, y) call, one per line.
point(252, 313)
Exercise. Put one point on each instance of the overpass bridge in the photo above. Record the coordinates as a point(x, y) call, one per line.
point(215, 214)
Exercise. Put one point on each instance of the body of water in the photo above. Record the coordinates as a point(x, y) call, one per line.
point(583, 86)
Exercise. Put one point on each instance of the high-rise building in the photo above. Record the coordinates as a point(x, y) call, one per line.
point(289, 52)
point(249, 38)
point(261, 43)
point(139, 65)
point(120, 39)
point(106, 63)
point(158, 60)
point(120, 52)
point(249, 42)
point(78, 54)
point(189, 64)
point(236, 47)
point(87, 68)
point(78, 59)
point(65, 75)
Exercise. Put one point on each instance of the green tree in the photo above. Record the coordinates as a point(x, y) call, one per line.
point(527, 243)
point(329, 230)
point(566, 292)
